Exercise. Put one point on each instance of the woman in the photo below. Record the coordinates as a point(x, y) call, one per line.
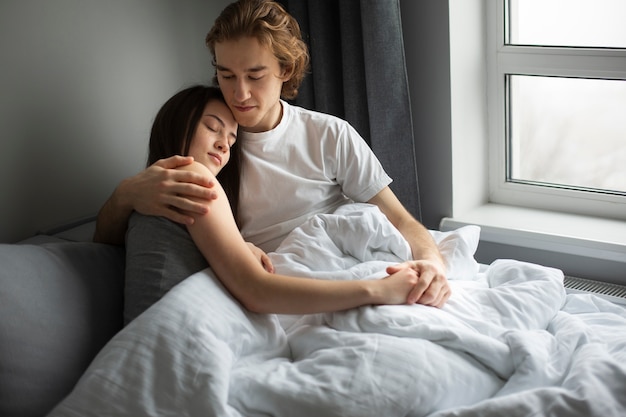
point(196, 122)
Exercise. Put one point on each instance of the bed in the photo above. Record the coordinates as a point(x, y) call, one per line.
point(510, 342)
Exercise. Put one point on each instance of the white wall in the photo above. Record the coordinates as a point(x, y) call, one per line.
point(80, 82)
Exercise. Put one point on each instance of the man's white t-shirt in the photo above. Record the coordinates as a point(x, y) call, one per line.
point(310, 163)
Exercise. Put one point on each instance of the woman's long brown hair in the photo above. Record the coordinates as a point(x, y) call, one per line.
point(174, 127)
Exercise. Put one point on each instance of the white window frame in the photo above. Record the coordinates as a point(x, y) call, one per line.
point(505, 59)
point(581, 245)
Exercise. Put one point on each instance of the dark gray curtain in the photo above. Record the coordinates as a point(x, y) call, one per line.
point(358, 73)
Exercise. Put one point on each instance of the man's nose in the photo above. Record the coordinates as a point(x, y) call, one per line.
point(242, 91)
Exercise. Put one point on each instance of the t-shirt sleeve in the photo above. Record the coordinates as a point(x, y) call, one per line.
point(359, 172)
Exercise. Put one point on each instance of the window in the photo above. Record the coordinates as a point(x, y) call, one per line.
point(557, 105)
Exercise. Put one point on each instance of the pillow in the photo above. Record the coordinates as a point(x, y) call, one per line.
point(59, 303)
point(159, 255)
point(458, 248)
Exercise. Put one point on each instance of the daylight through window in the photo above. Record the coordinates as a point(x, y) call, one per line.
point(558, 105)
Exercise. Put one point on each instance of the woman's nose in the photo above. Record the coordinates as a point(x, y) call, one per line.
point(221, 144)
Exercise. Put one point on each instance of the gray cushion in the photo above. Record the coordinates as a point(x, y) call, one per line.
point(159, 255)
point(59, 304)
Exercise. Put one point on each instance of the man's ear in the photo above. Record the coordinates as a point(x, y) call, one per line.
point(286, 72)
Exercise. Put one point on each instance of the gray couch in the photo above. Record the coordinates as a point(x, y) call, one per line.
point(61, 300)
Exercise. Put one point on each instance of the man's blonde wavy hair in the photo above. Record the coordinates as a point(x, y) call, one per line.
point(273, 27)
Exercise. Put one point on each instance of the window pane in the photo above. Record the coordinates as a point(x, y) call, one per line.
point(568, 132)
point(582, 23)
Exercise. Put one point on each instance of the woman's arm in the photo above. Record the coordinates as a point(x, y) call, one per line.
point(219, 240)
point(433, 288)
point(159, 190)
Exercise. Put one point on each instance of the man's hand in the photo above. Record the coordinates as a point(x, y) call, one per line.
point(432, 287)
point(162, 190)
point(159, 190)
point(262, 257)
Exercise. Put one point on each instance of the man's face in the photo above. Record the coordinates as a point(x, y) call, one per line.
point(251, 80)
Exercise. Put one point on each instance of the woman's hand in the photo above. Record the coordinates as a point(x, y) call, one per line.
point(397, 287)
point(262, 257)
point(432, 287)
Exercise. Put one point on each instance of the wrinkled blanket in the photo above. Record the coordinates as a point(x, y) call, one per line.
point(509, 342)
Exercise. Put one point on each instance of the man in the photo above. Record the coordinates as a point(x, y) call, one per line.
point(296, 162)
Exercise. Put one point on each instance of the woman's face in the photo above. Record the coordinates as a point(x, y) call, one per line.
point(215, 134)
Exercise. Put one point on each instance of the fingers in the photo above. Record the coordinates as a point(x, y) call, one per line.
point(392, 269)
point(432, 287)
point(397, 285)
point(177, 216)
point(176, 194)
point(191, 178)
point(187, 198)
point(174, 161)
point(436, 294)
point(444, 296)
point(263, 257)
point(164, 171)
point(267, 263)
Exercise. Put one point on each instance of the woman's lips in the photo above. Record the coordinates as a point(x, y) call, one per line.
point(216, 157)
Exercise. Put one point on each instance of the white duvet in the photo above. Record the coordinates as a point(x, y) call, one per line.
point(509, 342)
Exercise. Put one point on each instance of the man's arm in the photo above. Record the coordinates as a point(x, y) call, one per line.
point(433, 288)
point(159, 190)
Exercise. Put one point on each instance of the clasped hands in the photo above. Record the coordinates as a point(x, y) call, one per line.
point(432, 286)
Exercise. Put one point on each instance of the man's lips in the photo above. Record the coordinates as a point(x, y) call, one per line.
point(243, 109)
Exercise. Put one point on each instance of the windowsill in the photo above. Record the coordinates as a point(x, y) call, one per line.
point(542, 230)
point(581, 246)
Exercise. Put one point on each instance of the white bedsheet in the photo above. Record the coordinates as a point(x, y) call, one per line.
point(509, 342)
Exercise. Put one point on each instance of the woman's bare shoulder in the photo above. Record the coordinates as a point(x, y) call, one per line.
point(198, 168)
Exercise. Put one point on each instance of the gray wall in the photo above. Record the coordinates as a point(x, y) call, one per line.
point(80, 82)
